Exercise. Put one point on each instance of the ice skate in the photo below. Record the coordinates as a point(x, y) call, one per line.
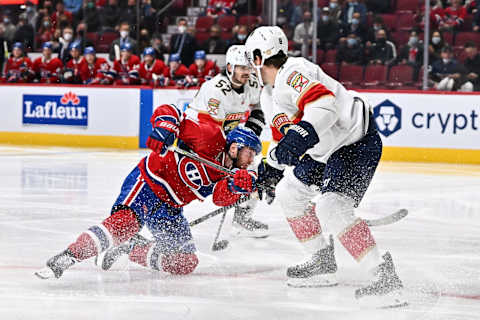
point(245, 226)
point(57, 265)
point(110, 256)
point(386, 290)
point(318, 271)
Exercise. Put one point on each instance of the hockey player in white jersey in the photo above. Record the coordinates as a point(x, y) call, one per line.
point(231, 98)
point(327, 134)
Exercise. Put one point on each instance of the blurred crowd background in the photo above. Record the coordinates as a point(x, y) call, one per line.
point(373, 44)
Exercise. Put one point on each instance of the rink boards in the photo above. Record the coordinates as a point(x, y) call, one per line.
point(415, 126)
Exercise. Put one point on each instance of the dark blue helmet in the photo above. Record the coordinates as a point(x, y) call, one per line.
point(75, 45)
point(245, 137)
point(149, 51)
point(18, 45)
point(89, 50)
point(48, 45)
point(200, 54)
point(174, 57)
point(127, 46)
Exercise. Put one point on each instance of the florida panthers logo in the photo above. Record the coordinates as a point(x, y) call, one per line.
point(193, 174)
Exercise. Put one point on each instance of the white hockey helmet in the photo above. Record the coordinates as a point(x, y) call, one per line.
point(235, 57)
point(269, 41)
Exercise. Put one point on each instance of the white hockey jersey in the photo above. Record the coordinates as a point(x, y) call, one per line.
point(217, 99)
point(299, 83)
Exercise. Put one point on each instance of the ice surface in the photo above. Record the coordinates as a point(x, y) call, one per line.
point(49, 196)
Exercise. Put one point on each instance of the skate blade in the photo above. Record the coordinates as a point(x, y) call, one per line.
point(317, 281)
point(45, 273)
point(394, 299)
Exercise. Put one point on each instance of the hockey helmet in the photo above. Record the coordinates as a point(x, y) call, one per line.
point(149, 51)
point(18, 45)
point(174, 57)
point(75, 45)
point(200, 54)
point(89, 50)
point(235, 57)
point(245, 137)
point(127, 46)
point(47, 45)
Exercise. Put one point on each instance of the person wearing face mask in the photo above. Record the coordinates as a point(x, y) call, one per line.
point(303, 33)
point(45, 32)
point(350, 50)
point(412, 52)
point(435, 46)
point(124, 31)
point(448, 74)
point(64, 43)
point(91, 16)
point(183, 43)
point(335, 10)
point(24, 32)
point(357, 27)
point(61, 12)
point(31, 13)
point(352, 7)
point(377, 24)
point(381, 51)
point(240, 35)
point(215, 44)
point(328, 30)
point(9, 28)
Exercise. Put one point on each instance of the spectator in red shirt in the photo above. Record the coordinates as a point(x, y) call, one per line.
point(58, 15)
point(18, 67)
point(45, 32)
point(176, 72)
point(71, 74)
point(218, 8)
point(151, 69)
point(47, 69)
point(437, 15)
point(454, 17)
point(202, 69)
point(94, 70)
point(126, 68)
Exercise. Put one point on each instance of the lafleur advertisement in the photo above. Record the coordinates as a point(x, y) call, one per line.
point(68, 109)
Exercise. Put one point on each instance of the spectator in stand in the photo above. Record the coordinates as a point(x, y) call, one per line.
point(151, 69)
point(218, 8)
point(183, 43)
point(352, 7)
point(412, 52)
point(144, 40)
point(95, 70)
point(357, 27)
point(350, 50)
point(214, 45)
point(436, 15)
point(47, 68)
point(18, 68)
point(109, 16)
point(448, 74)
point(64, 44)
point(72, 71)
point(381, 51)
point(328, 30)
point(202, 69)
point(9, 28)
point(176, 72)
point(91, 16)
point(129, 13)
point(126, 68)
point(286, 13)
point(24, 32)
point(80, 36)
point(45, 32)
point(240, 34)
point(335, 10)
point(303, 34)
point(243, 7)
point(472, 64)
point(73, 6)
point(45, 11)
point(119, 42)
point(157, 45)
point(59, 15)
point(377, 24)
point(31, 13)
point(435, 46)
point(454, 17)
point(379, 6)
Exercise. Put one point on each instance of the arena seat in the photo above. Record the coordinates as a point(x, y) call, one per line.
point(104, 41)
point(389, 20)
point(351, 75)
point(463, 37)
point(331, 56)
point(227, 22)
point(405, 21)
point(331, 69)
point(203, 23)
point(201, 37)
point(375, 75)
point(407, 5)
point(400, 75)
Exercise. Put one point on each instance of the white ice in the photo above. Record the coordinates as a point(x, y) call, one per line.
point(48, 196)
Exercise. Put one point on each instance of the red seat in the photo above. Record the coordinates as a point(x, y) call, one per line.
point(227, 22)
point(203, 23)
point(92, 37)
point(226, 35)
point(331, 69)
point(409, 5)
point(375, 75)
point(400, 75)
point(104, 41)
point(463, 37)
point(320, 56)
point(247, 20)
point(351, 75)
point(389, 20)
point(460, 54)
point(400, 38)
point(201, 37)
point(468, 23)
point(448, 38)
point(405, 21)
point(331, 56)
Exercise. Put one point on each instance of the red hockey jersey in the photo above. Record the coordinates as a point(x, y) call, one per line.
point(72, 73)
point(18, 70)
point(209, 71)
point(177, 77)
point(48, 71)
point(95, 73)
point(127, 73)
point(146, 73)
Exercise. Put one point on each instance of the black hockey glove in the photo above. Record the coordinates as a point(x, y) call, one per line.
point(268, 178)
point(256, 121)
point(299, 138)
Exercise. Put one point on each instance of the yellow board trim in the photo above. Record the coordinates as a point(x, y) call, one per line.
point(422, 154)
point(68, 140)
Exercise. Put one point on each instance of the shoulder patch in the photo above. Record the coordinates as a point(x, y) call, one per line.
point(297, 81)
point(213, 105)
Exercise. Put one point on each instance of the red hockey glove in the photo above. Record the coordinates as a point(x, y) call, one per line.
point(242, 182)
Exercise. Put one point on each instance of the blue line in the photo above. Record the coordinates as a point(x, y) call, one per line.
point(146, 111)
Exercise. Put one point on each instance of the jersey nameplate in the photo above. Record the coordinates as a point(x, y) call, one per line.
point(297, 81)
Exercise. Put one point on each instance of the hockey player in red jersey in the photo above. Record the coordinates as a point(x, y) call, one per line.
point(18, 68)
point(47, 68)
point(176, 72)
point(72, 70)
point(151, 70)
point(202, 69)
point(157, 189)
point(95, 70)
point(125, 69)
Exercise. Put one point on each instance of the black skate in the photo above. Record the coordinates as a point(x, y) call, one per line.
point(386, 290)
point(111, 255)
point(57, 265)
point(245, 225)
point(318, 271)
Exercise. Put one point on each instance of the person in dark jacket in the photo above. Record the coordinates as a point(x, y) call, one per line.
point(472, 64)
point(381, 51)
point(448, 74)
point(124, 38)
point(350, 50)
point(183, 43)
point(327, 30)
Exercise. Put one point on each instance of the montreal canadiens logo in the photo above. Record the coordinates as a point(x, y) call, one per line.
point(192, 175)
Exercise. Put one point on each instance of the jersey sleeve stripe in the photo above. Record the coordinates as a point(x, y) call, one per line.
point(313, 92)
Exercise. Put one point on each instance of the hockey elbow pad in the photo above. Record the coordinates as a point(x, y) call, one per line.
point(299, 138)
point(256, 121)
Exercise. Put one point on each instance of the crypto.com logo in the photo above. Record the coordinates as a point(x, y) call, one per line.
point(388, 117)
